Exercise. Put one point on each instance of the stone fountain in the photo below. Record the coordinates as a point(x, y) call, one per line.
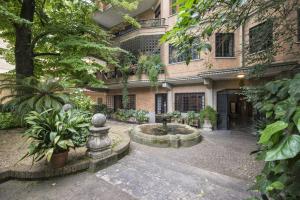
point(165, 134)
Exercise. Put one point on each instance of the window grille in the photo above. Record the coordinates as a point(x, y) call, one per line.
point(118, 102)
point(261, 37)
point(175, 56)
point(110, 101)
point(224, 44)
point(185, 102)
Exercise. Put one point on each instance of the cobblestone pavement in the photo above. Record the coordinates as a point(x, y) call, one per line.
point(220, 167)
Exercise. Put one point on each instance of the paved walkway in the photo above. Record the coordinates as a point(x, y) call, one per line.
point(155, 174)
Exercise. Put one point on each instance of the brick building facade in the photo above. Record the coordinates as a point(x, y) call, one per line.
point(211, 78)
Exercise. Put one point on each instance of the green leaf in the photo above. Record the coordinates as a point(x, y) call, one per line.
point(288, 148)
point(274, 86)
point(277, 185)
point(269, 114)
point(72, 130)
point(296, 118)
point(69, 143)
point(279, 168)
point(270, 130)
point(49, 154)
point(268, 107)
point(52, 136)
point(62, 144)
point(56, 139)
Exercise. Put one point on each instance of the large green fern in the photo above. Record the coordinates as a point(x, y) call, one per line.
point(31, 94)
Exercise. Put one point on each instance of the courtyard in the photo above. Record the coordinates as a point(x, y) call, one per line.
point(220, 167)
point(150, 99)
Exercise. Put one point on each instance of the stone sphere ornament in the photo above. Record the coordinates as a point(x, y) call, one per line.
point(99, 143)
point(98, 120)
point(67, 107)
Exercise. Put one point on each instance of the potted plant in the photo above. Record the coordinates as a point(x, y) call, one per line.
point(52, 133)
point(208, 118)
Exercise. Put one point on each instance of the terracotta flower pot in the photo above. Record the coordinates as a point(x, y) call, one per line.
point(59, 160)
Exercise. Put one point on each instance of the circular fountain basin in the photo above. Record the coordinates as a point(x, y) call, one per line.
point(178, 135)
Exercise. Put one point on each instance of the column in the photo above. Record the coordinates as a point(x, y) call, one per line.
point(170, 101)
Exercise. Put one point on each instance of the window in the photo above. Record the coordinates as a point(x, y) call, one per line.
point(118, 102)
point(173, 7)
point(185, 102)
point(224, 44)
point(261, 37)
point(110, 101)
point(175, 56)
point(157, 12)
point(298, 24)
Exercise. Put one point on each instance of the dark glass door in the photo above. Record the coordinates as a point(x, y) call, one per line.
point(222, 109)
point(161, 104)
point(118, 102)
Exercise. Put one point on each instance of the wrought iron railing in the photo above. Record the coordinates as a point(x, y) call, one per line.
point(149, 23)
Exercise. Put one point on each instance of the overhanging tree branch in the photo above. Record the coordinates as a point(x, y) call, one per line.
point(46, 54)
point(38, 37)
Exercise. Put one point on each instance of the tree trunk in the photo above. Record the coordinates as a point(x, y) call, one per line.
point(23, 50)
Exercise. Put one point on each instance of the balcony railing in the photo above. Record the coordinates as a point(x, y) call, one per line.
point(149, 23)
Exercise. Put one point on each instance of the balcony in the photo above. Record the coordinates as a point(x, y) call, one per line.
point(149, 23)
point(111, 16)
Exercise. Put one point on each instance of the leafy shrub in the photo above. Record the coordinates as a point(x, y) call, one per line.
point(102, 108)
point(152, 66)
point(80, 100)
point(176, 115)
point(33, 94)
point(279, 138)
point(192, 117)
point(124, 115)
point(8, 120)
point(208, 113)
point(54, 132)
point(141, 116)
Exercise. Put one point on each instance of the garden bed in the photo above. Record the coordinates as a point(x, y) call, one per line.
point(13, 146)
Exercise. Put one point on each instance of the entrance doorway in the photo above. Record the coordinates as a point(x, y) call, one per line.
point(234, 112)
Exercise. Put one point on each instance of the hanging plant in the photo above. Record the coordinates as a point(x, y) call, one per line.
point(151, 66)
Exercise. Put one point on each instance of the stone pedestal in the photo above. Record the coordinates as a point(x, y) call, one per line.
point(99, 144)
